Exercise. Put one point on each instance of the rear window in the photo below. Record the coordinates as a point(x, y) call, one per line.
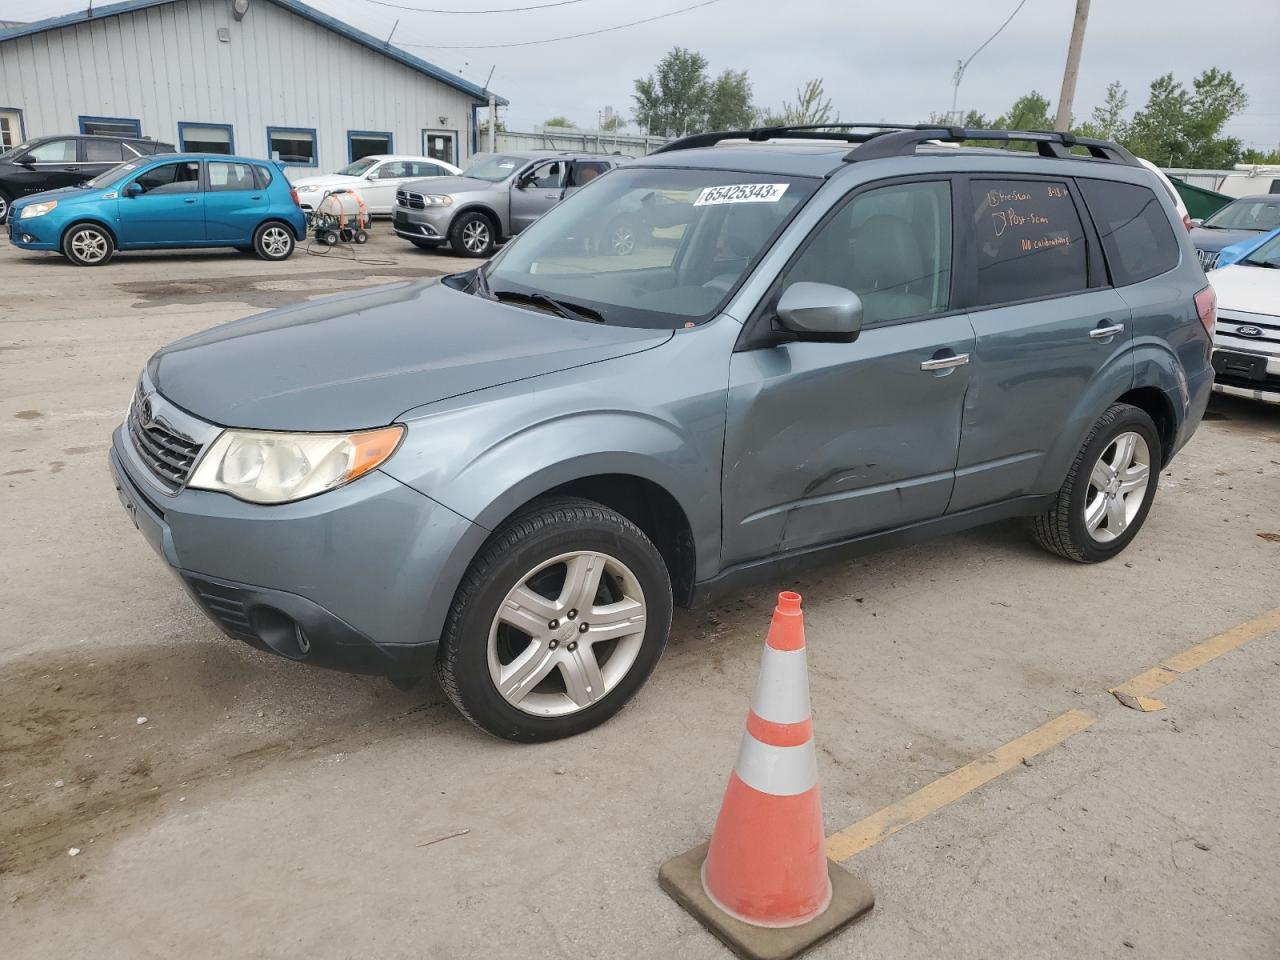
point(1136, 236)
point(1029, 240)
point(261, 176)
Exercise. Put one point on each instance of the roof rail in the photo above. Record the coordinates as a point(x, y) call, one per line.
point(876, 141)
point(846, 132)
point(1049, 143)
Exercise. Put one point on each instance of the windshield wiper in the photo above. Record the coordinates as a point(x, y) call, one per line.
point(570, 311)
point(1269, 264)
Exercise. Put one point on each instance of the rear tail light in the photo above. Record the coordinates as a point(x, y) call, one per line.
point(1186, 222)
point(294, 193)
point(1207, 307)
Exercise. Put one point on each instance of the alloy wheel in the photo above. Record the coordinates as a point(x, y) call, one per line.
point(4, 209)
point(1117, 487)
point(89, 245)
point(275, 241)
point(475, 236)
point(566, 634)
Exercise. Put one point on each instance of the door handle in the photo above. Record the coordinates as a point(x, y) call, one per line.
point(1102, 333)
point(192, 200)
point(945, 363)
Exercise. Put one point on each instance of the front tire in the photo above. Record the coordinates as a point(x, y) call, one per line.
point(273, 241)
point(472, 235)
point(559, 620)
point(1108, 491)
point(88, 245)
point(6, 204)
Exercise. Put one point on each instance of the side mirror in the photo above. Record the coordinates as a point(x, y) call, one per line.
point(133, 190)
point(1197, 221)
point(821, 311)
point(26, 161)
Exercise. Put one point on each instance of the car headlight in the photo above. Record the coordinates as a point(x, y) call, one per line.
point(37, 209)
point(438, 200)
point(264, 467)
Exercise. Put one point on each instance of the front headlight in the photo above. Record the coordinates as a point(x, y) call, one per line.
point(37, 209)
point(264, 467)
point(438, 200)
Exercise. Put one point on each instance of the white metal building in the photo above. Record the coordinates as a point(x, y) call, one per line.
point(260, 78)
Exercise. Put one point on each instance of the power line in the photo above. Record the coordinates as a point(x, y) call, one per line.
point(571, 36)
point(963, 64)
point(540, 6)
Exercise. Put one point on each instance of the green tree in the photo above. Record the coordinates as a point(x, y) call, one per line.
point(811, 107)
point(1258, 156)
point(729, 102)
point(1182, 128)
point(674, 99)
point(612, 123)
point(558, 122)
point(1108, 119)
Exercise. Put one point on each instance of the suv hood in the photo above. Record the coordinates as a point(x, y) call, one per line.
point(1212, 240)
point(362, 359)
point(443, 185)
point(1247, 289)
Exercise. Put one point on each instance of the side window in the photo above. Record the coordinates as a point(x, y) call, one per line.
point(891, 246)
point(230, 176)
point(261, 177)
point(103, 151)
point(419, 169)
point(549, 176)
point(584, 171)
point(1028, 240)
point(55, 151)
point(1136, 236)
point(170, 178)
point(390, 171)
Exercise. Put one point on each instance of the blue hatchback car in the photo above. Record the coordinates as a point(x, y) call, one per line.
point(165, 202)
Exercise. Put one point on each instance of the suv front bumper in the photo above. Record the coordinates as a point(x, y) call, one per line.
point(1253, 376)
point(429, 225)
point(357, 579)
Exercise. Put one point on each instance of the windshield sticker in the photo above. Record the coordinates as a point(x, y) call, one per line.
point(741, 193)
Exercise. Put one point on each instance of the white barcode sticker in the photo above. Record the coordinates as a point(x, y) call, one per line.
point(741, 193)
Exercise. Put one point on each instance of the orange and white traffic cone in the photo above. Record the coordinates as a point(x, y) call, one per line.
point(766, 863)
point(764, 885)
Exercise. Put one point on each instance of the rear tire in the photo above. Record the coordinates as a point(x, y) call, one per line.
point(273, 241)
point(88, 245)
point(1108, 491)
point(6, 204)
point(523, 615)
point(472, 235)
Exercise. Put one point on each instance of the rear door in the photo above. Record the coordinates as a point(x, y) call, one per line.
point(234, 204)
point(100, 154)
point(170, 209)
point(536, 191)
point(1048, 325)
point(828, 441)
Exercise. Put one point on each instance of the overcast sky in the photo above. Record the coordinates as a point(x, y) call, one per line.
point(880, 60)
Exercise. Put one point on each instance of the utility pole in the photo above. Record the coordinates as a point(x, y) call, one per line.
point(1063, 121)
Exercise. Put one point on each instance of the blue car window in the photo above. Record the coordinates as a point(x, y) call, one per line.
point(181, 177)
point(261, 177)
point(230, 176)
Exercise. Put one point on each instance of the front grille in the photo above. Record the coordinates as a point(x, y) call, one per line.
point(1263, 336)
point(1208, 258)
point(169, 456)
point(413, 201)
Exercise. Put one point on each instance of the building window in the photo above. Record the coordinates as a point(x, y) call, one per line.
point(206, 138)
point(11, 132)
point(111, 126)
point(366, 143)
point(292, 146)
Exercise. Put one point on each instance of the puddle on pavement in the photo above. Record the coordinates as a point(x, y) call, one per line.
point(267, 290)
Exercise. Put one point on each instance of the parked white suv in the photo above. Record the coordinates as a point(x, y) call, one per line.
point(1246, 341)
point(376, 178)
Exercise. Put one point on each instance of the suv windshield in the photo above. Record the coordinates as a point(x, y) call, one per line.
point(655, 247)
point(1267, 255)
point(494, 168)
point(357, 168)
point(1246, 215)
point(112, 175)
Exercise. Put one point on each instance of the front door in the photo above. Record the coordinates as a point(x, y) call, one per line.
point(440, 145)
point(1046, 328)
point(168, 211)
point(827, 441)
point(47, 167)
point(536, 191)
point(234, 204)
point(381, 183)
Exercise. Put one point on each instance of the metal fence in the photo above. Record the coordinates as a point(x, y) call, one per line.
point(570, 138)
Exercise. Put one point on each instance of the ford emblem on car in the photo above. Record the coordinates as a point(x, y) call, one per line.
point(1249, 331)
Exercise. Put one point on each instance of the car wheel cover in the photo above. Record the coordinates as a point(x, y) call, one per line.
point(1117, 487)
point(475, 236)
point(4, 208)
point(275, 241)
point(622, 239)
point(551, 656)
point(89, 245)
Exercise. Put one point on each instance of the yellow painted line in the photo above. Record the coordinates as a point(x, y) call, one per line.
point(885, 823)
point(1133, 693)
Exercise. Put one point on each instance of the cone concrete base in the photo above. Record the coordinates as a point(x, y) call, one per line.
point(681, 877)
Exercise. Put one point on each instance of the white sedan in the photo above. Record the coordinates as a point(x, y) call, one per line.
point(1246, 342)
point(375, 178)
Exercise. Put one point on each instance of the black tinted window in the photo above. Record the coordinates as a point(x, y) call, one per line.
point(103, 151)
point(1136, 235)
point(170, 178)
point(1028, 239)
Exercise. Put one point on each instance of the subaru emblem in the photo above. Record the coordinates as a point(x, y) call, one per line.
point(1249, 331)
